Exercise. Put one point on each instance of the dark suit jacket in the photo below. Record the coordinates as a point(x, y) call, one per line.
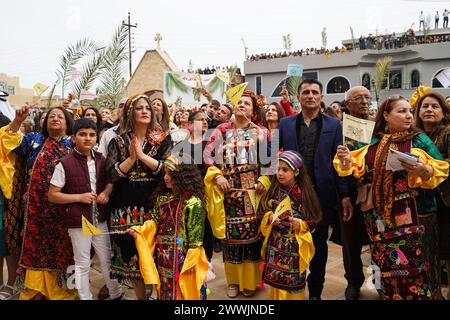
point(328, 185)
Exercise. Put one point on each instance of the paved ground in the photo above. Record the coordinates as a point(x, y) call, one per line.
point(335, 282)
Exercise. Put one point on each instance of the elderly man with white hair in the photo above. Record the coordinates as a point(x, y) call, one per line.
point(354, 235)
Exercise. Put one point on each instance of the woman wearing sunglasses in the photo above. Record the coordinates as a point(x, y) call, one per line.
point(432, 116)
point(399, 206)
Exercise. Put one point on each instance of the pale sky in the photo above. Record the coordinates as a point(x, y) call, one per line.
point(35, 33)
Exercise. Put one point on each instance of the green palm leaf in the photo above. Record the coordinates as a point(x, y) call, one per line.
point(292, 87)
point(91, 72)
point(50, 95)
point(382, 69)
point(112, 83)
point(72, 55)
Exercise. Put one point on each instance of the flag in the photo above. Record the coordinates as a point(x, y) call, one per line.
point(284, 206)
point(76, 74)
point(224, 76)
point(235, 93)
point(358, 129)
point(40, 88)
point(88, 228)
point(255, 199)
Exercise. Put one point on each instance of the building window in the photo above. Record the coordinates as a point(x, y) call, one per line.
point(366, 81)
point(395, 79)
point(338, 85)
point(306, 75)
point(415, 79)
point(10, 90)
point(258, 85)
point(435, 83)
point(2, 86)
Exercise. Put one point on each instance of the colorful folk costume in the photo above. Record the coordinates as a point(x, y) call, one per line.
point(286, 252)
point(233, 215)
point(176, 232)
point(46, 248)
point(129, 202)
point(402, 224)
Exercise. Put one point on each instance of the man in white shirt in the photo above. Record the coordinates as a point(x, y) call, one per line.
point(421, 21)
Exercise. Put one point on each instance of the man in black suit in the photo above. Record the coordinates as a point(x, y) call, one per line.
point(316, 137)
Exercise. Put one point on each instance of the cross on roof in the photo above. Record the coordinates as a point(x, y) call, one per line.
point(158, 39)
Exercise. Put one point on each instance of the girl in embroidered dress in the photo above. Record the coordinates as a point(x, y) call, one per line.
point(288, 247)
point(176, 231)
point(399, 207)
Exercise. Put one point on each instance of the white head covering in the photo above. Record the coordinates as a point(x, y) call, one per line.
point(5, 107)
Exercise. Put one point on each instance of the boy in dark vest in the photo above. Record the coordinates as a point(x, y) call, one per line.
point(78, 184)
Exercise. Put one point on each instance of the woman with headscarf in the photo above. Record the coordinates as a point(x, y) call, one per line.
point(46, 249)
point(399, 206)
point(134, 166)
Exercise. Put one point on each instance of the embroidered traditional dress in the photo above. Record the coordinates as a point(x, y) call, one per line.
point(286, 253)
point(402, 226)
point(176, 232)
point(233, 215)
point(129, 202)
point(46, 249)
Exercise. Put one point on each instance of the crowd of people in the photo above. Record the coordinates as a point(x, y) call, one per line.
point(297, 53)
point(377, 42)
point(212, 70)
point(165, 186)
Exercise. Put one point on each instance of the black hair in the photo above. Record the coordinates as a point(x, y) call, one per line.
point(97, 114)
point(67, 116)
point(83, 123)
point(338, 102)
point(310, 81)
point(193, 115)
point(215, 103)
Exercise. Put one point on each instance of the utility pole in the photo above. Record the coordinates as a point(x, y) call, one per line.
point(129, 25)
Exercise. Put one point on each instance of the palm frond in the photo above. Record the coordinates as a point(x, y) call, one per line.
point(91, 72)
point(50, 95)
point(292, 87)
point(353, 37)
point(70, 58)
point(111, 80)
point(382, 69)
